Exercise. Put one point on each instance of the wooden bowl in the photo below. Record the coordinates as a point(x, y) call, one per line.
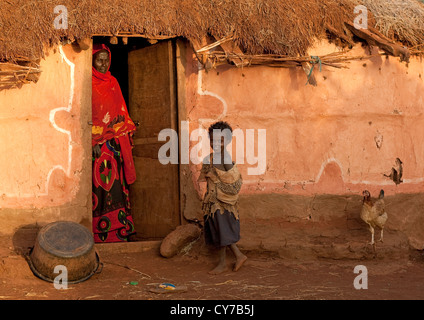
point(64, 243)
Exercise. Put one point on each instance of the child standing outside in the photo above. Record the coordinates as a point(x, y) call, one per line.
point(220, 204)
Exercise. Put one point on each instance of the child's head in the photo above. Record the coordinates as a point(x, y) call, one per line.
point(220, 135)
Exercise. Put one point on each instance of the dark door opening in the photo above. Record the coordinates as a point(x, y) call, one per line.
point(147, 76)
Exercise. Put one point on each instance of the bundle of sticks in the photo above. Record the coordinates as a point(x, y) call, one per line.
point(15, 75)
point(335, 59)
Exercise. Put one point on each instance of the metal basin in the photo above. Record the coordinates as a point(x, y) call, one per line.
point(64, 243)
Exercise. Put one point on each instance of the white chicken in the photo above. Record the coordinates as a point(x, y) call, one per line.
point(374, 213)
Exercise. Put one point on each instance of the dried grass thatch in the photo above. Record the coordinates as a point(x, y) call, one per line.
point(399, 19)
point(284, 27)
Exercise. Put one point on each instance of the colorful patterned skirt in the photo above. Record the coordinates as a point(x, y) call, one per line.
point(112, 221)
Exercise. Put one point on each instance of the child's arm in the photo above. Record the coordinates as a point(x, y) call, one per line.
point(201, 190)
point(201, 182)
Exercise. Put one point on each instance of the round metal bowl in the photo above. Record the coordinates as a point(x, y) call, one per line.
point(64, 243)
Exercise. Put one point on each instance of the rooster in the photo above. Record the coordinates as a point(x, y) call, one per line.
point(373, 213)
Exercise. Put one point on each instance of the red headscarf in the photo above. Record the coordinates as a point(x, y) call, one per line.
point(110, 115)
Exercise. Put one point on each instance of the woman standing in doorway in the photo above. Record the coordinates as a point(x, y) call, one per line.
point(113, 164)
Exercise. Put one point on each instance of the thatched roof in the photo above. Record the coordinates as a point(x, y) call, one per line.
point(286, 27)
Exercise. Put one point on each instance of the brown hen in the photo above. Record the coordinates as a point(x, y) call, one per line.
point(373, 213)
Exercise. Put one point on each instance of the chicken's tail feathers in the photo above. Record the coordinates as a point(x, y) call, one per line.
point(381, 196)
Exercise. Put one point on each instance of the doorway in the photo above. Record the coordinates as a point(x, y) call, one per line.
point(147, 76)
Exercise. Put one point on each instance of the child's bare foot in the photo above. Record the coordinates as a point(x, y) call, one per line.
point(239, 262)
point(220, 268)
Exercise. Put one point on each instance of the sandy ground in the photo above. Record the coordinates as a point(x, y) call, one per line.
point(130, 275)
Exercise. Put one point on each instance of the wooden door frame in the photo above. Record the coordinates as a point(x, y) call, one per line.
point(180, 63)
point(160, 63)
point(179, 84)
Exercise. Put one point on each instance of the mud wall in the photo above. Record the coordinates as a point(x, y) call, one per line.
point(324, 144)
point(46, 150)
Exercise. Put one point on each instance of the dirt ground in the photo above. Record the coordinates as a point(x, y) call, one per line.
point(130, 274)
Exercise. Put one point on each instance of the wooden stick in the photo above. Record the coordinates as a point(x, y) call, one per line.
point(377, 32)
point(374, 39)
point(339, 35)
point(133, 35)
point(16, 66)
point(309, 72)
point(215, 44)
point(19, 71)
point(129, 268)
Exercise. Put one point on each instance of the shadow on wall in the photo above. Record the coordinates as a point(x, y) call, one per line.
point(24, 238)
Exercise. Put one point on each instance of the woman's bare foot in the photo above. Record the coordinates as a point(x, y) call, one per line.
point(239, 262)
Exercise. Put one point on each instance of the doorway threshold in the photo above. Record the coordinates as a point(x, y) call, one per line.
point(127, 247)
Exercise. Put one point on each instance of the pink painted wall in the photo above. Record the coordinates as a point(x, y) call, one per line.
point(320, 140)
point(45, 138)
point(321, 151)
